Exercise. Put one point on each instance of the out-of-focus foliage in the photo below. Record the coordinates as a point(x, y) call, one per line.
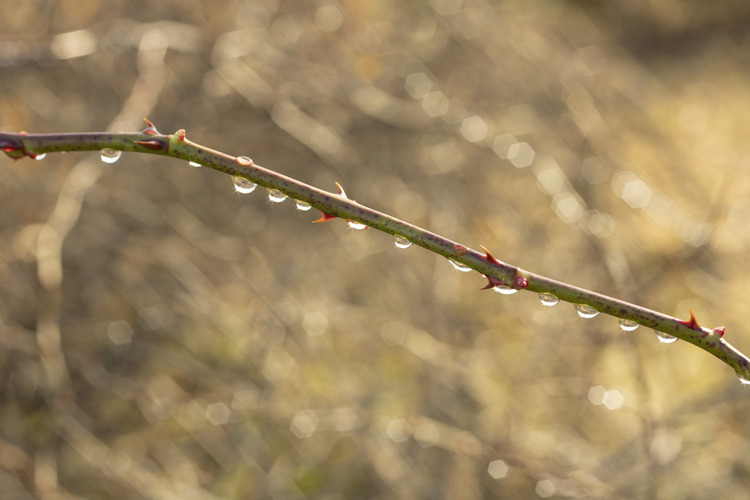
point(164, 337)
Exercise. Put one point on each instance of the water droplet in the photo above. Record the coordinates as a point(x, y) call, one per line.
point(357, 225)
point(401, 242)
point(195, 164)
point(110, 155)
point(40, 156)
point(242, 185)
point(244, 160)
point(586, 312)
point(548, 299)
point(459, 266)
point(303, 206)
point(628, 326)
point(743, 380)
point(665, 338)
point(504, 289)
point(275, 195)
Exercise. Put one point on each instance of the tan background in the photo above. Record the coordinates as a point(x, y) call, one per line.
point(164, 337)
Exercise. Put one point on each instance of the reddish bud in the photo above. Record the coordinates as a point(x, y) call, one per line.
point(720, 330)
point(180, 135)
point(520, 282)
point(326, 217)
point(460, 249)
point(153, 144)
point(150, 130)
point(691, 323)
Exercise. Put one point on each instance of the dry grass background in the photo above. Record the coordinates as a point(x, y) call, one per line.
point(164, 337)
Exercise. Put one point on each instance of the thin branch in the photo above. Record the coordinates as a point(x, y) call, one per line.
point(501, 276)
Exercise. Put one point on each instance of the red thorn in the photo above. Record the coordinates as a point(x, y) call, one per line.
point(691, 323)
point(152, 144)
point(341, 191)
point(492, 282)
point(150, 130)
point(326, 217)
point(181, 135)
point(489, 257)
point(9, 146)
point(720, 330)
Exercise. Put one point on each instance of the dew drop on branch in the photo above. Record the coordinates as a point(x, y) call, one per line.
point(743, 379)
point(195, 164)
point(242, 185)
point(303, 206)
point(547, 299)
point(244, 160)
point(664, 338)
point(401, 242)
point(586, 312)
point(109, 155)
point(357, 225)
point(628, 326)
point(504, 289)
point(459, 267)
point(275, 195)
point(40, 156)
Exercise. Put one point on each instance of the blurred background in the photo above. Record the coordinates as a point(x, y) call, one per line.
point(162, 336)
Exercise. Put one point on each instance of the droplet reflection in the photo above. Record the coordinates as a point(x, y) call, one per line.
point(504, 289)
point(459, 267)
point(357, 225)
point(110, 155)
point(401, 242)
point(586, 312)
point(195, 164)
point(665, 338)
point(628, 326)
point(303, 206)
point(547, 299)
point(276, 196)
point(242, 185)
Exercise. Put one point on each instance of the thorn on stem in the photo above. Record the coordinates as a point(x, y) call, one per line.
point(150, 130)
point(691, 323)
point(326, 217)
point(492, 282)
point(720, 331)
point(153, 144)
point(341, 191)
point(488, 256)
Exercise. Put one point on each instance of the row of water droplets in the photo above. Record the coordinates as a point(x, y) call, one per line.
point(584, 311)
point(245, 186)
